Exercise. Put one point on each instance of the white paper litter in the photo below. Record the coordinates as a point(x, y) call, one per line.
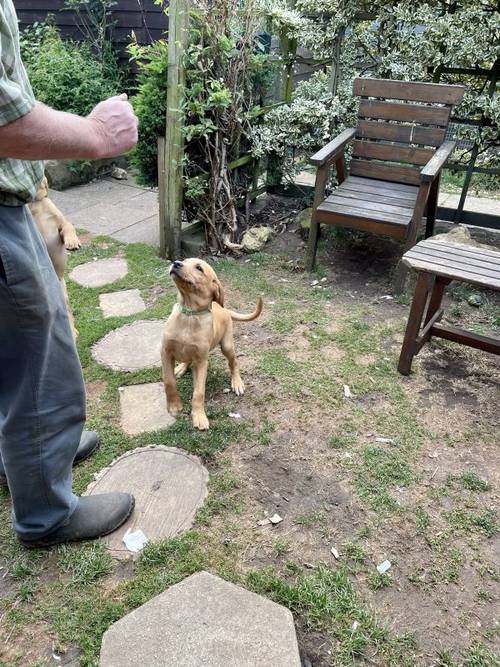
point(388, 440)
point(135, 541)
point(323, 280)
point(355, 626)
point(384, 567)
point(275, 519)
point(387, 297)
point(235, 415)
point(314, 282)
point(347, 391)
point(335, 553)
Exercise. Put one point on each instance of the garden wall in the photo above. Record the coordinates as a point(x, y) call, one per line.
point(143, 17)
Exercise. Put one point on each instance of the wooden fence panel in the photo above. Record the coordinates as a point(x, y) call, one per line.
point(143, 17)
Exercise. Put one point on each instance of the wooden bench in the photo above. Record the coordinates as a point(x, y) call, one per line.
point(398, 150)
point(437, 264)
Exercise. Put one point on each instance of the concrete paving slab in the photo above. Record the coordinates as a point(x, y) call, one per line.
point(107, 218)
point(476, 204)
point(130, 183)
point(306, 178)
point(146, 231)
point(99, 273)
point(169, 486)
point(84, 196)
point(206, 621)
point(132, 347)
point(143, 408)
point(124, 302)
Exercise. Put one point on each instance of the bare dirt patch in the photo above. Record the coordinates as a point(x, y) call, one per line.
point(443, 581)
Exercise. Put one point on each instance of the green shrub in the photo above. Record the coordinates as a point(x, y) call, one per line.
point(150, 106)
point(67, 75)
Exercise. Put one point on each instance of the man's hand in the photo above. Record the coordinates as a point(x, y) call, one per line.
point(45, 134)
point(115, 126)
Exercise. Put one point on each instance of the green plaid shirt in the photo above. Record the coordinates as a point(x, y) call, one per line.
point(19, 179)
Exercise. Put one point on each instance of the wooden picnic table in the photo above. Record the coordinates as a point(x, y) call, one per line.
point(438, 263)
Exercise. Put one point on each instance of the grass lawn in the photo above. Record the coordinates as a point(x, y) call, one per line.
point(406, 470)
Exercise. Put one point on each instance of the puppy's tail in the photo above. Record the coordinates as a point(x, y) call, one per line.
point(237, 317)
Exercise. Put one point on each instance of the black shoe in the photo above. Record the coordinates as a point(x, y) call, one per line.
point(89, 442)
point(94, 516)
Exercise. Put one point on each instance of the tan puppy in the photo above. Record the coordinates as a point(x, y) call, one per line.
point(59, 235)
point(198, 323)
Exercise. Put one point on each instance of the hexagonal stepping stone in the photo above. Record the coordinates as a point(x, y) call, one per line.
point(143, 408)
point(99, 273)
point(169, 486)
point(207, 621)
point(125, 302)
point(131, 347)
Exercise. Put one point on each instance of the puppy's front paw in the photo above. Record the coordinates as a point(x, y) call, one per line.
point(174, 407)
point(71, 241)
point(200, 421)
point(238, 386)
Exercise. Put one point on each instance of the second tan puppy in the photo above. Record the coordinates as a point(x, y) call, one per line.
point(59, 235)
point(198, 323)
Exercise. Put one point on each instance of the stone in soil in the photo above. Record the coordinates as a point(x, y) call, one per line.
point(131, 347)
point(99, 273)
point(203, 620)
point(125, 302)
point(169, 486)
point(143, 408)
point(256, 238)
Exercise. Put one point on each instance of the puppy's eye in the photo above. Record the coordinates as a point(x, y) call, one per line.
point(200, 268)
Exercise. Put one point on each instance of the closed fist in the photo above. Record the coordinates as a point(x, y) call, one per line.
point(114, 124)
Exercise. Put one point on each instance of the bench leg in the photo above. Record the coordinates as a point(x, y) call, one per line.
point(436, 298)
point(322, 178)
point(312, 248)
point(419, 302)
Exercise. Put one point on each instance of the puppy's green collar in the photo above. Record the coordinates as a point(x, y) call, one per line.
point(189, 311)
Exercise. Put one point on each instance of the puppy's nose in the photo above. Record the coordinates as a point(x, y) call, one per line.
point(177, 264)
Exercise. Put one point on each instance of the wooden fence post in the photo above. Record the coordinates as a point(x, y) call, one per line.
point(335, 71)
point(171, 198)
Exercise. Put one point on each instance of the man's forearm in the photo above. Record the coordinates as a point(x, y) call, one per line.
point(45, 134)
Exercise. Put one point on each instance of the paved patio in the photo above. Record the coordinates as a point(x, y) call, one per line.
point(121, 209)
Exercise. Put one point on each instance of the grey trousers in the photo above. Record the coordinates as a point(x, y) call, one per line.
point(42, 393)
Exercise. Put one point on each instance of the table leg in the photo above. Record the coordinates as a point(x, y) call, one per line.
point(409, 349)
point(436, 297)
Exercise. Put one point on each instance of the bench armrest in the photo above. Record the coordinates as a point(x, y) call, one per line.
point(332, 150)
point(437, 161)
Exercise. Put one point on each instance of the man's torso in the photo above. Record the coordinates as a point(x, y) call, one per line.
point(19, 179)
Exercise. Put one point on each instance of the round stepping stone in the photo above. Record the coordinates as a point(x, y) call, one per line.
point(132, 347)
point(169, 486)
point(125, 302)
point(207, 621)
point(99, 273)
point(143, 408)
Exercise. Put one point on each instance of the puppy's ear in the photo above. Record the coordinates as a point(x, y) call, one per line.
point(218, 293)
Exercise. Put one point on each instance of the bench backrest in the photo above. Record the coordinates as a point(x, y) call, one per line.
point(400, 125)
